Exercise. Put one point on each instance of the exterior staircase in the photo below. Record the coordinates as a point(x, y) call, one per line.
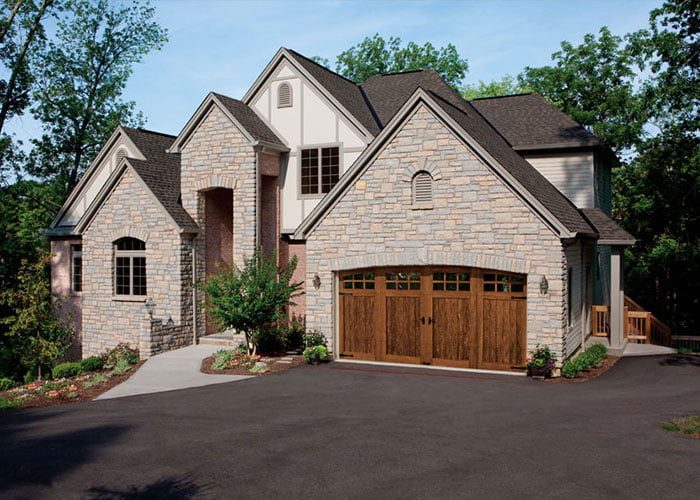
point(226, 339)
point(641, 326)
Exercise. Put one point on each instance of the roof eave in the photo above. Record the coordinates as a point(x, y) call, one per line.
point(623, 243)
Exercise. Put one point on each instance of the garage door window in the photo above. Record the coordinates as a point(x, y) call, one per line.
point(358, 281)
point(403, 281)
point(503, 283)
point(451, 282)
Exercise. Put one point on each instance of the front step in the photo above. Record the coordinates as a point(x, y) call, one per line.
point(223, 339)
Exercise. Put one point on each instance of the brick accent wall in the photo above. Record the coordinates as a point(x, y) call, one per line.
point(289, 250)
point(130, 210)
point(216, 155)
point(68, 303)
point(269, 214)
point(475, 221)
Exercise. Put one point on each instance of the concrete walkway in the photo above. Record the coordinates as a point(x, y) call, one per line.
point(170, 371)
point(646, 350)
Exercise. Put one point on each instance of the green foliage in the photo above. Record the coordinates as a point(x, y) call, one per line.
point(222, 359)
point(122, 352)
point(313, 338)
point(587, 360)
point(295, 335)
point(122, 366)
point(82, 74)
point(271, 339)
point(690, 426)
point(32, 328)
point(254, 297)
point(96, 379)
point(541, 362)
point(508, 85)
point(316, 354)
point(91, 364)
point(6, 384)
point(377, 56)
point(594, 82)
point(7, 405)
point(259, 368)
point(66, 370)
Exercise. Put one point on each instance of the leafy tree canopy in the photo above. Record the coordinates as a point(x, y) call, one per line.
point(507, 85)
point(377, 56)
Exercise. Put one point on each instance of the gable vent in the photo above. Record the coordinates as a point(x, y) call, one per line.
point(121, 153)
point(422, 188)
point(284, 95)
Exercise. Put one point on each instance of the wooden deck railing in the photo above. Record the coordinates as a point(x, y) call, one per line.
point(640, 324)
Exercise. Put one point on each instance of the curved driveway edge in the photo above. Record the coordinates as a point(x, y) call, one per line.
point(179, 369)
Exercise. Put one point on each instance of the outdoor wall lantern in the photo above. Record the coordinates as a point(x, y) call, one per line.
point(150, 306)
point(544, 285)
point(170, 323)
point(317, 282)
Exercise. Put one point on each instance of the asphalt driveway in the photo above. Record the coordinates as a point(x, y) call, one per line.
point(345, 431)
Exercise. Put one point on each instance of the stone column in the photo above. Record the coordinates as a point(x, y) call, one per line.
point(617, 300)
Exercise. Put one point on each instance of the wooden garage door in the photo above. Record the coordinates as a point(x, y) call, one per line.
point(444, 316)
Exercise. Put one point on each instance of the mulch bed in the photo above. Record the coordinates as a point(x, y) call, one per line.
point(83, 393)
point(273, 367)
point(589, 375)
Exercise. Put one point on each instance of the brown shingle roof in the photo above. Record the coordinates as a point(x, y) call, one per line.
point(529, 120)
point(346, 92)
point(253, 124)
point(606, 227)
point(161, 172)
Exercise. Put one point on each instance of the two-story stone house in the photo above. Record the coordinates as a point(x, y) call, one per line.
point(429, 229)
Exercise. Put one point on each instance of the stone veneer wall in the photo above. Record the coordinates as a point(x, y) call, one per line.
point(68, 303)
point(475, 221)
point(130, 210)
point(217, 154)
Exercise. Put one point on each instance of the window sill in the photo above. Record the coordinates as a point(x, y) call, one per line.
point(129, 298)
point(422, 206)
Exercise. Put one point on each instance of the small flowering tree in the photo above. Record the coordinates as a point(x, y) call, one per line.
point(250, 298)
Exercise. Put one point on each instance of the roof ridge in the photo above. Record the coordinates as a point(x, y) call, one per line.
point(148, 131)
point(395, 73)
point(519, 94)
point(321, 66)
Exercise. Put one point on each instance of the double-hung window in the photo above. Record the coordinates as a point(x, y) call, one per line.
point(129, 267)
point(76, 268)
point(320, 170)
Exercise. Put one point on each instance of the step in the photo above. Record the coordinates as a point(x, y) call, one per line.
point(221, 342)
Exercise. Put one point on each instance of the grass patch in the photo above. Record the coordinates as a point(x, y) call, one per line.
point(690, 426)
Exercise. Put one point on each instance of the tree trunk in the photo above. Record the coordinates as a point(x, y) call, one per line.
point(16, 67)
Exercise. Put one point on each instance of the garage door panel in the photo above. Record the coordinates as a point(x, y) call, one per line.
point(502, 332)
point(403, 326)
point(451, 328)
point(358, 321)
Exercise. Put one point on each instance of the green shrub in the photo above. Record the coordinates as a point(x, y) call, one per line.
point(222, 359)
point(95, 380)
point(122, 367)
point(66, 370)
point(259, 368)
point(92, 364)
point(6, 384)
point(314, 338)
point(590, 358)
point(316, 354)
point(119, 353)
point(29, 377)
point(295, 336)
point(7, 405)
point(271, 339)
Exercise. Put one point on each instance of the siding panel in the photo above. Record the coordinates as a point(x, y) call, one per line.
point(571, 173)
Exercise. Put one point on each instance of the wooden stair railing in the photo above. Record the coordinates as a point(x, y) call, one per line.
point(640, 324)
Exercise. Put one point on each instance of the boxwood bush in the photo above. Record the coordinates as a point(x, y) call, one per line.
point(587, 360)
point(65, 370)
point(6, 384)
point(92, 364)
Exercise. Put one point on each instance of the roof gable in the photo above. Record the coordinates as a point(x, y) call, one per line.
point(546, 201)
point(253, 128)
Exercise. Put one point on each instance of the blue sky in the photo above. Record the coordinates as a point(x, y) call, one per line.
point(222, 45)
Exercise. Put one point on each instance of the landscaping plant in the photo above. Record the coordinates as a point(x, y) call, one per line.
point(254, 297)
point(120, 352)
point(542, 362)
point(590, 358)
point(91, 364)
point(66, 370)
point(316, 354)
point(313, 338)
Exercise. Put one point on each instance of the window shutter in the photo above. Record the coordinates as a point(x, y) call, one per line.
point(422, 188)
point(284, 95)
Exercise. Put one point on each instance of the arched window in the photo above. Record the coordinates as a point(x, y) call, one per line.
point(284, 95)
point(422, 188)
point(129, 267)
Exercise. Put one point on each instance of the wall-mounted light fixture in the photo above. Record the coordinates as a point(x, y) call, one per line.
point(170, 323)
point(544, 285)
point(150, 306)
point(317, 282)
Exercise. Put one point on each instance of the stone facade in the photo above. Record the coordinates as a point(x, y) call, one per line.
point(217, 155)
point(68, 303)
point(131, 211)
point(475, 220)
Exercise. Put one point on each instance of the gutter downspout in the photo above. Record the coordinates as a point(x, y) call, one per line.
point(194, 291)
